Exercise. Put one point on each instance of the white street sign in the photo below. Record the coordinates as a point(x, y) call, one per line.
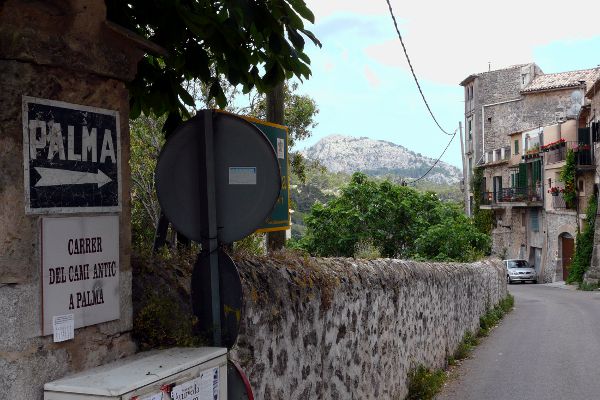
point(80, 270)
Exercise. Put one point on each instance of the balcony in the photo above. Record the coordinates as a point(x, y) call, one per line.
point(559, 203)
point(524, 196)
point(583, 153)
point(497, 156)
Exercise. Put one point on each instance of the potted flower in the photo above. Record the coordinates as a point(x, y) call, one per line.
point(554, 190)
point(583, 147)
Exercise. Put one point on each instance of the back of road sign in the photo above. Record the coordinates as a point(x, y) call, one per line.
point(247, 178)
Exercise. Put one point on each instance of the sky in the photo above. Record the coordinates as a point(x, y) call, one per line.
point(363, 86)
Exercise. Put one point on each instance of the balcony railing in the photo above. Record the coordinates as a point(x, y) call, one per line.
point(583, 153)
point(558, 201)
point(512, 195)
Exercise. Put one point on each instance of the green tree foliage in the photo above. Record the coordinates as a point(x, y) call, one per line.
point(483, 219)
point(298, 115)
point(255, 44)
point(455, 239)
point(146, 142)
point(584, 245)
point(567, 175)
point(398, 220)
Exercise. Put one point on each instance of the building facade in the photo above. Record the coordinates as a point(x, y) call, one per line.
point(520, 124)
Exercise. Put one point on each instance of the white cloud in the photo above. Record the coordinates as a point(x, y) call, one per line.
point(448, 40)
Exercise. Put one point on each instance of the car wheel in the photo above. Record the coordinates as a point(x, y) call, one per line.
point(508, 280)
point(534, 281)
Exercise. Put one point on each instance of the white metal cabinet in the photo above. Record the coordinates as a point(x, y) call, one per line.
point(143, 375)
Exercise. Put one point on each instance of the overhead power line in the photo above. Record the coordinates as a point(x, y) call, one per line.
point(436, 161)
point(413, 71)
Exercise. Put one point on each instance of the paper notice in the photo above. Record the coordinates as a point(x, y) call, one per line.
point(242, 175)
point(280, 148)
point(204, 387)
point(63, 327)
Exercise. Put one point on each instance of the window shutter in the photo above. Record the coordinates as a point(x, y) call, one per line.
point(536, 172)
point(583, 135)
point(522, 177)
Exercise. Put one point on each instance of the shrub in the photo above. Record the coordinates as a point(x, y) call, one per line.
point(584, 244)
point(424, 384)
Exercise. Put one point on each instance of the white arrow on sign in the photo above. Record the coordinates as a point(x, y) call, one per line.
point(55, 177)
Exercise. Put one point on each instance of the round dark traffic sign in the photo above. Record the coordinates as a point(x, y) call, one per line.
point(238, 385)
point(231, 298)
point(246, 171)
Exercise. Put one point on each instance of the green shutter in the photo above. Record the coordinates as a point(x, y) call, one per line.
point(522, 177)
point(583, 135)
point(536, 172)
point(516, 147)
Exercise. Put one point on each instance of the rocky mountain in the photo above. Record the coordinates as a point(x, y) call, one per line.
point(348, 154)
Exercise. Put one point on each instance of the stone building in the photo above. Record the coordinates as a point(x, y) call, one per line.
point(520, 124)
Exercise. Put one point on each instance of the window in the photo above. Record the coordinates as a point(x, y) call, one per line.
point(581, 187)
point(535, 222)
point(516, 147)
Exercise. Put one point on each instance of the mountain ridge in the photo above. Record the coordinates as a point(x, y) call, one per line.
point(340, 153)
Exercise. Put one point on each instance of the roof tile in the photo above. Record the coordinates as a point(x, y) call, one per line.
point(563, 80)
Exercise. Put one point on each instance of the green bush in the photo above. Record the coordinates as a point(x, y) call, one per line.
point(584, 244)
point(494, 315)
point(424, 384)
point(588, 287)
point(482, 219)
point(567, 175)
point(396, 221)
point(464, 348)
point(161, 324)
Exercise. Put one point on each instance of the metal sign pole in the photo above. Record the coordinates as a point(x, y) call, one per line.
point(210, 244)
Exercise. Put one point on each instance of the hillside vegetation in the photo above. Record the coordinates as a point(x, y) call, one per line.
point(322, 185)
point(377, 218)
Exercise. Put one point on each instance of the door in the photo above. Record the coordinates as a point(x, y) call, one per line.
point(497, 188)
point(568, 244)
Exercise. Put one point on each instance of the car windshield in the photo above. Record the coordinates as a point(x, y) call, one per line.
point(517, 264)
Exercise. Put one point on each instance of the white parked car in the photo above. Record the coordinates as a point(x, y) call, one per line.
point(519, 271)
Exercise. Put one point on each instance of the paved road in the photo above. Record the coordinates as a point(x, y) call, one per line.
point(547, 348)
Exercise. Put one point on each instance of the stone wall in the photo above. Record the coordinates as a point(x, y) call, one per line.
point(57, 51)
point(352, 329)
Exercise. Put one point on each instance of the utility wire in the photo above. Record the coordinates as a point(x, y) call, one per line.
point(413, 71)
point(422, 96)
point(436, 161)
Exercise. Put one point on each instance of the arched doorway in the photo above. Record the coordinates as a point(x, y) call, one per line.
point(567, 245)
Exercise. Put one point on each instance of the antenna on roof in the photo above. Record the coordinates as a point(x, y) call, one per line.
point(489, 66)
